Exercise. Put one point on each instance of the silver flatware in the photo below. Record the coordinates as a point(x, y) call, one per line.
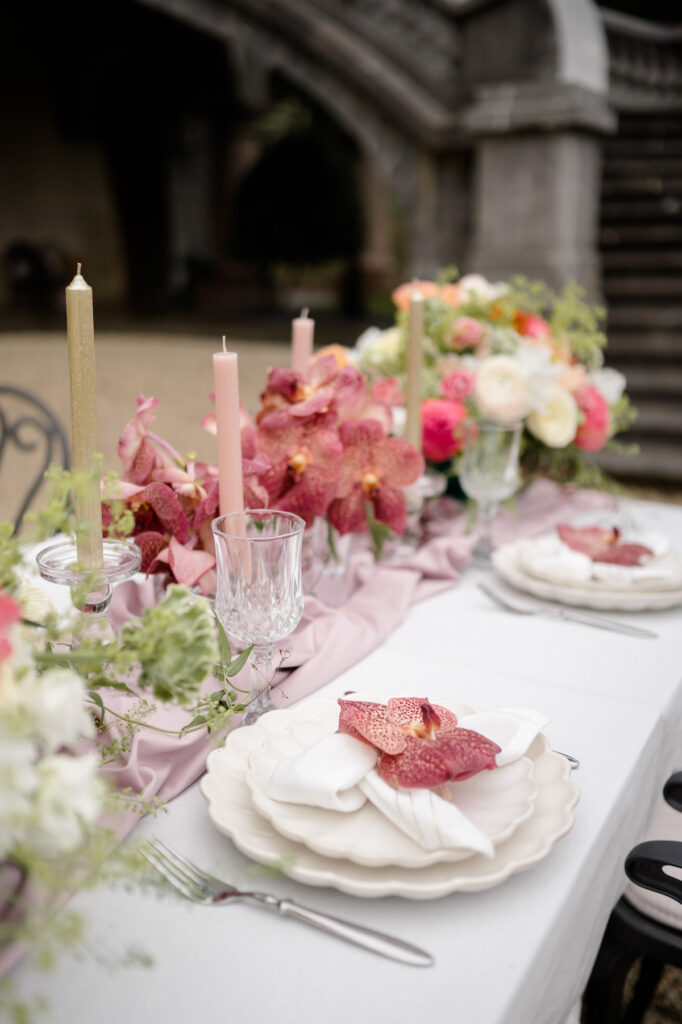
point(199, 886)
point(521, 605)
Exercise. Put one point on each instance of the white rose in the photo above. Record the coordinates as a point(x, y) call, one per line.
point(557, 423)
point(475, 286)
point(18, 783)
point(501, 391)
point(610, 382)
point(52, 705)
point(69, 798)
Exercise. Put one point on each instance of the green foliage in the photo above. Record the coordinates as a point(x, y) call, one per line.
point(174, 644)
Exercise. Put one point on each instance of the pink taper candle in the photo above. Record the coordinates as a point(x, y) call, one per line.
point(302, 331)
point(226, 386)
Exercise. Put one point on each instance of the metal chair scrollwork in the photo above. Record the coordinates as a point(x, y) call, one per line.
point(31, 428)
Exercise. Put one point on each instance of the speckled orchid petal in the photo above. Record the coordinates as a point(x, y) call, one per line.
point(207, 509)
point(347, 514)
point(133, 438)
point(397, 462)
point(151, 544)
point(322, 370)
point(163, 500)
point(284, 382)
point(603, 545)
point(389, 507)
point(318, 402)
point(409, 713)
point(347, 385)
point(370, 722)
point(426, 763)
point(188, 566)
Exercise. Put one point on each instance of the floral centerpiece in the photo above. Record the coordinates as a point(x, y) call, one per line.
point(319, 447)
point(507, 352)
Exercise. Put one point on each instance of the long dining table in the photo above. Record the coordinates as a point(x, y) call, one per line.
point(519, 952)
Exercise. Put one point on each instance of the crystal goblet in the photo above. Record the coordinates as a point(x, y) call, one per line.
point(489, 473)
point(259, 594)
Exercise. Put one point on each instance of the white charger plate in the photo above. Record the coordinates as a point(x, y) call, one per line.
point(231, 809)
point(506, 561)
point(495, 801)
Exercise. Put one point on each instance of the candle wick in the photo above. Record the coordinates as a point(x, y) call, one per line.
point(78, 268)
point(304, 313)
point(224, 343)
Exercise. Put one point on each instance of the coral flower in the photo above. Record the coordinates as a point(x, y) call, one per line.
point(420, 744)
point(402, 295)
point(592, 434)
point(322, 390)
point(442, 428)
point(10, 613)
point(375, 468)
point(531, 325)
point(304, 463)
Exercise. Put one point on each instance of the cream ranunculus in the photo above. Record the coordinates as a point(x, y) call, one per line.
point(501, 391)
point(556, 424)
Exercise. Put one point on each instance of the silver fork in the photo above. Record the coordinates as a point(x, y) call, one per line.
point(531, 606)
point(199, 886)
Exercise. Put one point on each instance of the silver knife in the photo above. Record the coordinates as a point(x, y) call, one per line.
point(590, 619)
point(532, 606)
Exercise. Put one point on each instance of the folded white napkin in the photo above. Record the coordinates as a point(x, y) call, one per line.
point(325, 775)
point(433, 823)
point(338, 772)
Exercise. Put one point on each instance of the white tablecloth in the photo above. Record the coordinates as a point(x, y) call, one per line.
point(519, 953)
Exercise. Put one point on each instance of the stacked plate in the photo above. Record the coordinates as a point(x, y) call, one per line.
point(547, 568)
point(524, 808)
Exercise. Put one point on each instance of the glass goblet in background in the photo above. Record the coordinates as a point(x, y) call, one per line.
point(259, 595)
point(489, 473)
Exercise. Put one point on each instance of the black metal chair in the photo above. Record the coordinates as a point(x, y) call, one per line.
point(28, 425)
point(651, 931)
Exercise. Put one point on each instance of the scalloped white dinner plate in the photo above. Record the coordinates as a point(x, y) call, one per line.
point(591, 594)
point(232, 810)
point(495, 802)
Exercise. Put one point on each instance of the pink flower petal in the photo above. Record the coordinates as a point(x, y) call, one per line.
point(408, 712)
point(163, 500)
point(151, 544)
point(426, 763)
point(189, 566)
point(370, 722)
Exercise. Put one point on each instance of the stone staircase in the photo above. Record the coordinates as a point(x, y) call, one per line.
point(641, 252)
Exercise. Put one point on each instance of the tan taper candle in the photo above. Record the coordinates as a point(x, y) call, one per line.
point(413, 421)
point(84, 436)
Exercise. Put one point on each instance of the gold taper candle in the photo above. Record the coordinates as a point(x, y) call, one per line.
point(413, 422)
point(84, 435)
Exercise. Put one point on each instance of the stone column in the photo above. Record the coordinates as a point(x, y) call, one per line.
point(537, 171)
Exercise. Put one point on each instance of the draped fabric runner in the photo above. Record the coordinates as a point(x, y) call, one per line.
point(329, 640)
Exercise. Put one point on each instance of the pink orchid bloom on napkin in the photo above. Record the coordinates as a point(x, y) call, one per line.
point(421, 745)
point(375, 468)
point(304, 463)
point(323, 389)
